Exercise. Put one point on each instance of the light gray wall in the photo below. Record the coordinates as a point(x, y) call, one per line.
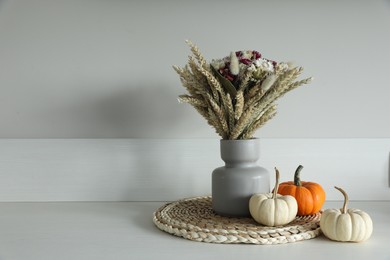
point(91, 69)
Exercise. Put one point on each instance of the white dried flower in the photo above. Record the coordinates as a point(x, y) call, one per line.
point(247, 54)
point(268, 82)
point(251, 67)
point(264, 65)
point(242, 66)
point(282, 66)
point(234, 64)
point(218, 64)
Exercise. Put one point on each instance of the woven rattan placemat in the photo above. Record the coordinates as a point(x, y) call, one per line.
point(195, 220)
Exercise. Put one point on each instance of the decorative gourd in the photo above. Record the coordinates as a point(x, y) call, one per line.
point(310, 196)
point(272, 209)
point(344, 225)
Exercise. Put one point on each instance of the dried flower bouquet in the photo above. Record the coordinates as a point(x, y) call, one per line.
point(236, 94)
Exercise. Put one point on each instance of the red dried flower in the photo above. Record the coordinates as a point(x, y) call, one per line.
point(256, 54)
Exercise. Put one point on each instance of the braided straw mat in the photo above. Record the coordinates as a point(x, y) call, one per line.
point(195, 220)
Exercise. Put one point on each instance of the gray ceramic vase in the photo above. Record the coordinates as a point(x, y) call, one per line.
point(234, 183)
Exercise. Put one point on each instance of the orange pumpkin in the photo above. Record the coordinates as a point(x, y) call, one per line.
point(310, 196)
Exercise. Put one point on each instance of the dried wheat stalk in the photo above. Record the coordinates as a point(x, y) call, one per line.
point(269, 114)
point(193, 100)
point(245, 81)
point(198, 55)
point(242, 123)
point(229, 110)
point(239, 107)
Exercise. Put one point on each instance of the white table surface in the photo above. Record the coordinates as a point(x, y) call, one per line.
point(124, 230)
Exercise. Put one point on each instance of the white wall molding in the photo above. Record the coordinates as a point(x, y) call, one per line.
point(159, 170)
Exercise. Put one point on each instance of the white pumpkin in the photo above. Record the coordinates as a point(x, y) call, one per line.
point(272, 209)
point(352, 225)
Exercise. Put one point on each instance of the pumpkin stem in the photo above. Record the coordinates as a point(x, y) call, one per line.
point(344, 209)
point(297, 178)
point(276, 183)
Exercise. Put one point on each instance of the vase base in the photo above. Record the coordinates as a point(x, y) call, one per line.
point(232, 208)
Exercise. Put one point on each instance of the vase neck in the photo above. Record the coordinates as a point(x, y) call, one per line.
point(240, 152)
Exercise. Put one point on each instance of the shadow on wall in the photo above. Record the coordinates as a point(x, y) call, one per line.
point(151, 112)
point(167, 170)
point(147, 111)
point(144, 111)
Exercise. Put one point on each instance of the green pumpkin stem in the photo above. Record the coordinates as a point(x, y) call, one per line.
point(297, 178)
point(344, 209)
point(276, 184)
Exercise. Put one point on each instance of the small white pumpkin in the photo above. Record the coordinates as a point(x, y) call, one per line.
point(352, 225)
point(272, 209)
